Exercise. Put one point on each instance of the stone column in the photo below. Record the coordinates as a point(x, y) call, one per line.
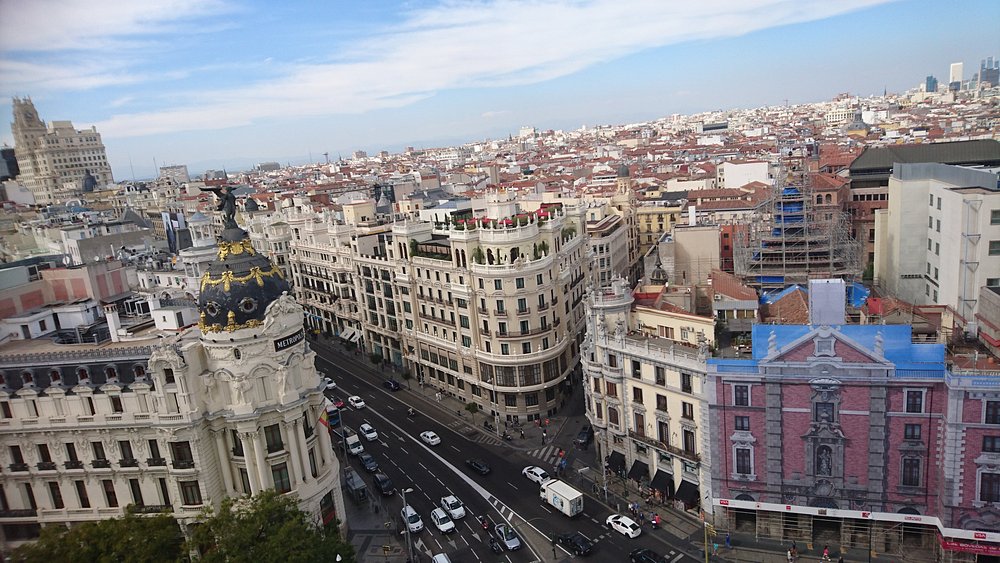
point(303, 446)
point(224, 464)
point(293, 453)
point(259, 448)
point(249, 455)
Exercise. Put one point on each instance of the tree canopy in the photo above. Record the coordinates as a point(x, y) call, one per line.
point(130, 538)
point(265, 528)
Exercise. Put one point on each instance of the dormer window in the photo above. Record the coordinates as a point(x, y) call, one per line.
point(27, 378)
point(111, 373)
point(139, 371)
point(168, 376)
point(54, 376)
point(83, 375)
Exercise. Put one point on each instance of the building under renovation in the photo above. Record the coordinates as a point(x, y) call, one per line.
point(799, 233)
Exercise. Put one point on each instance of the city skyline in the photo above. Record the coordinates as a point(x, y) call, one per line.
point(220, 83)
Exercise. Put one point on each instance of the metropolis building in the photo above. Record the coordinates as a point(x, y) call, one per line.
point(169, 421)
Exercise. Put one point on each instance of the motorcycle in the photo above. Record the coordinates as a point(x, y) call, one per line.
point(495, 545)
point(484, 523)
point(411, 413)
point(507, 437)
point(488, 426)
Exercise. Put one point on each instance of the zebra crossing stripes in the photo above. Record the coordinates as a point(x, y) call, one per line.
point(548, 454)
point(472, 434)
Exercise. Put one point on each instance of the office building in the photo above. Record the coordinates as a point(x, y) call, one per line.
point(57, 161)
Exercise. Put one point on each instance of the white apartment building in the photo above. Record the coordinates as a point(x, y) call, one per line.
point(739, 174)
point(939, 240)
point(644, 376)
point(168, 422)
point(54, 155)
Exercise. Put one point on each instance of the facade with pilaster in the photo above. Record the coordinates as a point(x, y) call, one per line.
point(169, 422)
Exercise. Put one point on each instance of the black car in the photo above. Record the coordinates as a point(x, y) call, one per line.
point(391, 384)
point(384, 484)
point(644, 555)
point(584, 437)
point(575, 543)
point(478, 465)
point(368, 461)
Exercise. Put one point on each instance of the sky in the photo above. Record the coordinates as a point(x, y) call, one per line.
point(229, 83)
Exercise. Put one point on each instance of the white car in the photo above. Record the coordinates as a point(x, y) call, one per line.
point(535, 473)
point(368, 432)
point(356, 402)
point(442, 521)
point(453, 507)
point(412, 519)
point(430, 438)
point(623, 525)
point(330, 384)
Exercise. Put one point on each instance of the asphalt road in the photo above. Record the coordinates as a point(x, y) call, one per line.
point(436, 471)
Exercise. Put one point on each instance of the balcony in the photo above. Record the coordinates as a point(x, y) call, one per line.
point(101, 464)
point(156, 462)
point(128, 463)
point(153, 508)
point(690, 456)
point(500, 312)
point(46, 466)
point(19, 467)
point(543, 307)
point(183, 464)
point(73, 464)
point(484, 331)
point(525, 311)
point(23, 513)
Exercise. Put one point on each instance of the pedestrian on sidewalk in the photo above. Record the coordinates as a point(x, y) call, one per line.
point(840, 559)
point(715, 548)
point(522, 433)
point(826, 553)
point(789, 556)
point(729, 543)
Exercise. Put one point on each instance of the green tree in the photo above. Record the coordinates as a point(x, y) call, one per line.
point(265, 528)
point(126, 539)
point(473, 408)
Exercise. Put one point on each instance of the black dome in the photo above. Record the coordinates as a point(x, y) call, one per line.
point(238, 286)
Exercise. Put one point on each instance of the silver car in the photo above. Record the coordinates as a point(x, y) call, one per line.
point(507, 536)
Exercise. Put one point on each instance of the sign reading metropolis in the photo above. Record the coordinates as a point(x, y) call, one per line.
point(289, 341)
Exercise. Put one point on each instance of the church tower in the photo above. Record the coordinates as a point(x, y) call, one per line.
point(626, 203)
point(264, 398)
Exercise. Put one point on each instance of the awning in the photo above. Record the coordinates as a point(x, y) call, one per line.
point(688, 492)
point(639, 471)
point(356, 336)
point(663, 481)
point(616, 462)
point(347, 333)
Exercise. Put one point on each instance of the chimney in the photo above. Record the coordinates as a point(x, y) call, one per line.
point(114, 322)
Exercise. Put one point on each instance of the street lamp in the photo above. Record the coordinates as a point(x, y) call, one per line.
point(406, 527)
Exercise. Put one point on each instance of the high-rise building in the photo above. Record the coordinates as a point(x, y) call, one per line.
point(931, 84)
point(989, 72)
point(56, 160)
point(177, 173)
point(955, 73)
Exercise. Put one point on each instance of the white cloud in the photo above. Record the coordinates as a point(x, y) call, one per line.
point(494, 113)
point(456, 44)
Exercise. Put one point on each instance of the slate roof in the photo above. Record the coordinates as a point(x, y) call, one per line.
point(984, 152)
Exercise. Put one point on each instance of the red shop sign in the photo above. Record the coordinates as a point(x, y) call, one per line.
point(977, 548)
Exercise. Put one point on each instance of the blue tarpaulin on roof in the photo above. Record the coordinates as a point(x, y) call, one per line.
point(857, 294)
point(769, 297)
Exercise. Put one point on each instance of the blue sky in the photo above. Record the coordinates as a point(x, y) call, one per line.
point(213, 83)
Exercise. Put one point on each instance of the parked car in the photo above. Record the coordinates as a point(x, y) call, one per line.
point(412, 519)
point(478, 465)
point(643, 555)
point(584, 437)
point(507, 536)
point(442, 521)
point(430, 438)
point(575, 543)
point(391, 384)
point(623, 525)
point(536, 474)
point(384, 484)
point(453, 507)
point(368, 432)
point(356, 402)
point(368, 461)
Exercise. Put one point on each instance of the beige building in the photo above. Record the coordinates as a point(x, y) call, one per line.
point(644, 375)
point(55, 159)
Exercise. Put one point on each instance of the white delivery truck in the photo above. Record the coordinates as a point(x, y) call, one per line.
point(352, 442)
point(562, 497)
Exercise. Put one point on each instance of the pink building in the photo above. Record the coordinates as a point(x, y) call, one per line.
point(856, 437)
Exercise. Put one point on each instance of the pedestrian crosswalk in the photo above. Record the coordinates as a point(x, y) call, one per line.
point(548, 454)
point(472, 434)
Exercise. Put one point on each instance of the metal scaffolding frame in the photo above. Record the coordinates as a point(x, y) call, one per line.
point(789, 241)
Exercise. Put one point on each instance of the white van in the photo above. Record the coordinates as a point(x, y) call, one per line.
point(440, 558)
point(354, 446)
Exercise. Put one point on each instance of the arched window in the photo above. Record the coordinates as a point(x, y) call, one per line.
point(111, 373)
point(139, 371)
point(829, 198)
point(819, 199)
point(82, 374)
point(26, 377)
point(55, 376)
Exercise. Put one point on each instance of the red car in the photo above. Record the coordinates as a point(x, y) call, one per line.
point(339, 403)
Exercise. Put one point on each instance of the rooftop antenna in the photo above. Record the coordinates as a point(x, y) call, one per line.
point(131, 168)
point(327, 156)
